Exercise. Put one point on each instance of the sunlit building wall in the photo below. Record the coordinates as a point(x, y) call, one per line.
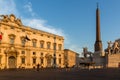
point(24, 47)
point(70, 58)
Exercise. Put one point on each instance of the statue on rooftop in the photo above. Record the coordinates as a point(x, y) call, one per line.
point(115, 47)
point(18, 21)
point(109, 47)
point(5, 18)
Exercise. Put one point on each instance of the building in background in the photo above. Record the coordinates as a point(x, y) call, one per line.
point(113, 54)
point(25, 47)
point(70, 58)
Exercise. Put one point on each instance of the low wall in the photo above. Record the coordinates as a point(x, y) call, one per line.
point(113, 60)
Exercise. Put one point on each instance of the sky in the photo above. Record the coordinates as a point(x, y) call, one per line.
point(75, 20)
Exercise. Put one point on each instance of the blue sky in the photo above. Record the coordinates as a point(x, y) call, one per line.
point(73, 19)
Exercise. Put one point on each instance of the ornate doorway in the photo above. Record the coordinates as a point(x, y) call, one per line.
point(12, 62)
point(49, 60)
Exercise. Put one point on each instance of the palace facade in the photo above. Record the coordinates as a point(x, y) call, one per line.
point(25, 47)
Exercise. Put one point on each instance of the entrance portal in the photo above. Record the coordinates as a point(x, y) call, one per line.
point(49, 62)
point(12, 62)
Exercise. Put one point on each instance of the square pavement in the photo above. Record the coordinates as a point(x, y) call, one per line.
point(60, 74)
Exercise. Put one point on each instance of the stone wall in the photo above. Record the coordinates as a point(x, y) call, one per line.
point(113, 60)
point(70, 57)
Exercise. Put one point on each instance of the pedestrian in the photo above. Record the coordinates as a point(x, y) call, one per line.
point(67, 68)
point(38, 65)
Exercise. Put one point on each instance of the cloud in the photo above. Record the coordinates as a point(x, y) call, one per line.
point(75, 48)
point(8, 7)
point(34, 23)
point(42, 25)
point(28, 7)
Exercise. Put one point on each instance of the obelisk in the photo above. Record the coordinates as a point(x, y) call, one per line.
point(98, 42)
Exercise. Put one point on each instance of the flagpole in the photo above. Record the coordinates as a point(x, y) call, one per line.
point(28, 58)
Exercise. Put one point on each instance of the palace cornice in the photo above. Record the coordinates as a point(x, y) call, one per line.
point(43, 32)
point(11, 20)
point(29, 29)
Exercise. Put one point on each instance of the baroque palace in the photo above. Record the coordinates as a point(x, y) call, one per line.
point(25, 47)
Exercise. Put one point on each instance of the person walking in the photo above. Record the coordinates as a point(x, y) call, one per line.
point(38, 65)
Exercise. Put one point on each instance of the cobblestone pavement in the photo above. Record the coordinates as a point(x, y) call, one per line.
point(57, 74)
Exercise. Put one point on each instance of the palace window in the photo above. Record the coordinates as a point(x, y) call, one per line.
point(23, 30)
point(41, 34)
point(59, 55)
point(34, 33)
point(23, 42)
point(34, 60)
point(23, 60)
point(41, 60)
point(12, 38)
point(34, 53)
point(41, 54)
point(54, 46)
point(34, 41)
point(12, 27)
point(22, 52)
point(41, 44)
point(59, 60)
point(34, 44)
point(0, 59)
point(59, 47)
point(48, 45)
point(48, 36)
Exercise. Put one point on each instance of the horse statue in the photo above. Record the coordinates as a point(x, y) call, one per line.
point(115, 47)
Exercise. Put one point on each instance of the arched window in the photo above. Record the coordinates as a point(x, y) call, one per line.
point(34, 53)
point(59, 60)
point(23, 60)
point(0, 51)
point(42, 44)
point(23, 41)
point(0, 59)
point(41, 60)
point(34, 60)
point(59, 46)
point(48, 45)
point(12, 38)
point(41, 54)
point(54, 46)
point(34, 41)
point(22, 52)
